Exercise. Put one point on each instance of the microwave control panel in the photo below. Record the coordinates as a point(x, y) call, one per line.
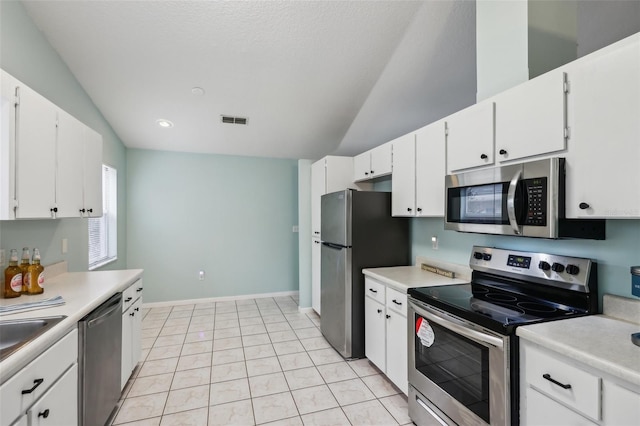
point(535, 190)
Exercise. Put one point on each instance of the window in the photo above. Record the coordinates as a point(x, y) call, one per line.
point(103, 231)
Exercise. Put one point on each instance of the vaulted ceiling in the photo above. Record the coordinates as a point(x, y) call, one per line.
point(312, 77)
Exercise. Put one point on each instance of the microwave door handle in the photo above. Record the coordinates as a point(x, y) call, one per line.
point(511, 203)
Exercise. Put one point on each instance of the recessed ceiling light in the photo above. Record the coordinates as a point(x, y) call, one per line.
point(197, 91)
point(164, 123)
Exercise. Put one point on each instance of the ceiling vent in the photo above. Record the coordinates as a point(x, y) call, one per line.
point(234, 120)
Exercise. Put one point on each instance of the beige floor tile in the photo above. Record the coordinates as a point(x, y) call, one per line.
point(228, 355)
point(229, 343)
point(363, 367)
point(307, 333)
point(267, 384)
point(272, 319)
point(295, 316)
point(199, 336)
point(203, 319)
point(282, 336)
point(256, 367)
point(277, 326)
point(196, 417)
point(197, 347)
point(163, 352)
point(380, 385)
point(226, 333)
point(187, 399)
point(252, 329)
point(333, 417)
point(336, 372)
point(141, 407)
point(397, 406)
point(232, 390)
point(157, 323)
point(291, 421)
point(225, 309)
point(176, 329)
point(325, 356)
point(314, 343)
point(151, 332)
point(226, 372)
point(370, 413)
point(151, 384)
point(171, 322)
point(193, 377)
point(250, 321)
point(295, 361)
point(195, 328)
point(189, 362)
point(318, 398)
point(177, 308)
point(238, 413)
point(176, 339)
point(303, 323)
point(351, 391)
point(290, 347)
point(148, 342)
point(203, 311)
point(226, 316)
point(303, 378)
point(259, 351)
point(155, 421)
point(249, 312)
point(180, 314)
point(255, 339)
point(274, 407)
point(161, 366)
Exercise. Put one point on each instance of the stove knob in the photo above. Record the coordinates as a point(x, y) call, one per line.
point(544, 265)
point(557, 267)
point(572, 270)
point(486, 256)
point(477, 255)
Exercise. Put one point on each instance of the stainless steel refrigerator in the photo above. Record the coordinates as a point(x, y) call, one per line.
point(357, 232)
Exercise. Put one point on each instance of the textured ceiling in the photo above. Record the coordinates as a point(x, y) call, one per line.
point(313, 77)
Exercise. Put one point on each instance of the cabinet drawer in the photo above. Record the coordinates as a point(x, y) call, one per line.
point(544, 411)
point(397, 301)
point(128, 296)
point(38, 375)
point(59, 405)
point(548, 374)
point(374, 289)
point(138, 289)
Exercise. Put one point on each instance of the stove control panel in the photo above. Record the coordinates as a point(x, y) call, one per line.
point(549, 269)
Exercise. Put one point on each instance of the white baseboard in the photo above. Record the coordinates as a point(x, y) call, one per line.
point(308, 310)
point(219, 299)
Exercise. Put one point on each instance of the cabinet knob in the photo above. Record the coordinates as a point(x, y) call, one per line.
point(371, 171)
point(82, 210)
point(366, 173)
point(483, 156)
point(54, 210)
point(137, 309)
point(584, 206)
point(90, 210)
point(128, 299)
point(388, 316)
point(139, 289)
point(503, 152)
point(419, 209)
point(132, 314)
point(408, 209)
point(379, 311)
point(44, 414)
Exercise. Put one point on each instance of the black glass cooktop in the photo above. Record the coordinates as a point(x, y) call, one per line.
point(499, 306)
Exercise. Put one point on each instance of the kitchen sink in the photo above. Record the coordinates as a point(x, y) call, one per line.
point(16, 333)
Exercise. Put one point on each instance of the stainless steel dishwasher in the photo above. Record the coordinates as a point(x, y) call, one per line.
point(100, 362)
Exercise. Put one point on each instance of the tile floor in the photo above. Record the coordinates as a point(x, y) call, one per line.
point(250, 362)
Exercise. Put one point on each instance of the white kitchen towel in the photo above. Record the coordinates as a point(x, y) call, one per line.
point(29, 306)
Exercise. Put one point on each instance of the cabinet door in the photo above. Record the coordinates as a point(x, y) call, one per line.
point(317, 190)
point(403, 178)
point(362, 166)
point(544, 411)
point(35, 155)
point(92, 173)
point(59, 405)
point(374, 332)
point(603, 177)
point(396, 349)
point(339, 174)
point(381, 160)
point(7, 145)
point(470, 137)
point(127, 349)
point(620, 406)
point(69, 177)
point(315, 274)
point(136, 333)
point(430, 169)
point(530, 118)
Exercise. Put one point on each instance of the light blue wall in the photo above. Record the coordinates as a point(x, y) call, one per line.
point(28, 56)
point(229, 216)
point(615, 255)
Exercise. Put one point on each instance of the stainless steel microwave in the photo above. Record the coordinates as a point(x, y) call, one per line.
point(524, 199)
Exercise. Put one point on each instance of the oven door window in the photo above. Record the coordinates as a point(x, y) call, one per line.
point(459, 366)
point(485, 204)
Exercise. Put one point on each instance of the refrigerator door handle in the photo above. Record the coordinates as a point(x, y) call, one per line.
point(333, 246)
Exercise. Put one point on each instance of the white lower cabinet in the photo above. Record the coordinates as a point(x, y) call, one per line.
point(131, 330)
point(557, 390)
point(48, 382)
point(385, 331)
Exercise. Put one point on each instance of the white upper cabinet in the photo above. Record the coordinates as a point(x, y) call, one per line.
point(50, 162)
point(417, 183)
point(470, 137)
point(530, 118)
point(603, 172)
point(373, 163)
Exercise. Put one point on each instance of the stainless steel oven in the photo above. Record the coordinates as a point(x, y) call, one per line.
point(463, 348)
point(525, 199)
point(461, 366)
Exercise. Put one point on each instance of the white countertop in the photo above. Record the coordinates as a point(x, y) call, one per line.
point(82, 291)
point(599, 341)
point(402, 278)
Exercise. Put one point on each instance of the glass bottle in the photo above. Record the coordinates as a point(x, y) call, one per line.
point(12, 277)
point(24, 265)
point(36, 274)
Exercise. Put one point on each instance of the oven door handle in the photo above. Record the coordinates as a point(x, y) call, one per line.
point(511, 203)
point(430, 411)
point(459, 327)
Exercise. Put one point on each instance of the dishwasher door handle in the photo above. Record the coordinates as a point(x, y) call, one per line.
point(112, 308)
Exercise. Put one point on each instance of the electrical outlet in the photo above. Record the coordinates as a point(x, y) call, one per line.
point(295, 228)
point(434, 242)
point(201, 275)
point(2, 259)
